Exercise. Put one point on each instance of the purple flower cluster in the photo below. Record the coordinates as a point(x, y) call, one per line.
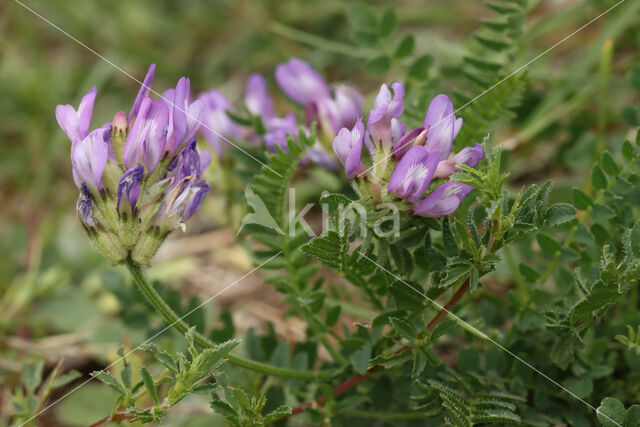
point(330, 107)
point(139, 176)
point(407, 162)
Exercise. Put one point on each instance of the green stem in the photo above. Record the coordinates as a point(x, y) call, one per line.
point(180, 325)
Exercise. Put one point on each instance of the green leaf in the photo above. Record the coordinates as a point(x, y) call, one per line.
point(32, 375)
point(278, 413)
point(632, 417)
point(529, 273)
point(405, 47)
point(581, 387)
point(610, 412)
point(559, 213)
point(161, 357)
point(388, 23)
point(599, 297)
point(609, 164)
point(379, 65)
point(602, 213)
point(360, 358)
point(149, 384)
point(420, 67)
point(109, 380)
point(332, 315)
point(404, 329)
point(548, 244)
point(66, 378)
point(598, 179)
point(261, 215)
point(627, 150)
point(635, 240)
point(581, 199)
point(362, 17)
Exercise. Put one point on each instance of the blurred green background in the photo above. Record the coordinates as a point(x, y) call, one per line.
point(59, 298)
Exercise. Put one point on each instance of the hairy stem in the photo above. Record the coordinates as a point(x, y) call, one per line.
point(180, 325)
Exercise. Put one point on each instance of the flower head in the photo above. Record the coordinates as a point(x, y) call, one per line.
point(257, 98)
point(301, 82)
point(138, 178)
point(332, 108)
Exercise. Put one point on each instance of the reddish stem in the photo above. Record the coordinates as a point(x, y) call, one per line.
point(341, 388)
point(118, 416)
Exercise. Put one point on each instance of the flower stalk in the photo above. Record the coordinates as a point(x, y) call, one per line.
point(175, 321)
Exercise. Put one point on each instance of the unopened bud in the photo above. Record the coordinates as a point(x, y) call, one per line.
point(119, 133)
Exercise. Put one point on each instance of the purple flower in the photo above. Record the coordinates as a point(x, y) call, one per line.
point(277, 129)
point(332, 114)
point(217, 125)
point(257, 98)
point(413, 174)
point(444, 200)
point(84, 206)
point(129, 187)
point(348, 104)
point(469, 156)
point(385, 109)
point(300, 82)
point(143, 92)
point(184, 116)
point(321, 157)
point(89, 158)
point(197, 193)
point(412, 138)
point(190, 164)
point(442, 125)
point(76, 123)
point(348, 147)
point(148, 136)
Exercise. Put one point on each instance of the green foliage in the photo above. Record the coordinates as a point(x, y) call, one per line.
point(496, 86)
point(184, 376)
point(28, 402)
point(632, 340)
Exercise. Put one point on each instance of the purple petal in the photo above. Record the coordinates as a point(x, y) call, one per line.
point(129, 187)
point(89, 158)
point(84, 205)
point(444, 200)
point(277, 129)
point(300, 82)
point(197, 194)
point(412, 138)
point(440, 121)
point(143, 92)
point(216, 124)
point(348, 104)
point(413, 173)
point(257, 98)
point(76, 123)
point(147, 138)
point(320, 157)
point(381, 125)
point(348, 147)
point(469, 156)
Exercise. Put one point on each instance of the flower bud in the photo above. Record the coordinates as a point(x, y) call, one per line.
point(119, 133)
